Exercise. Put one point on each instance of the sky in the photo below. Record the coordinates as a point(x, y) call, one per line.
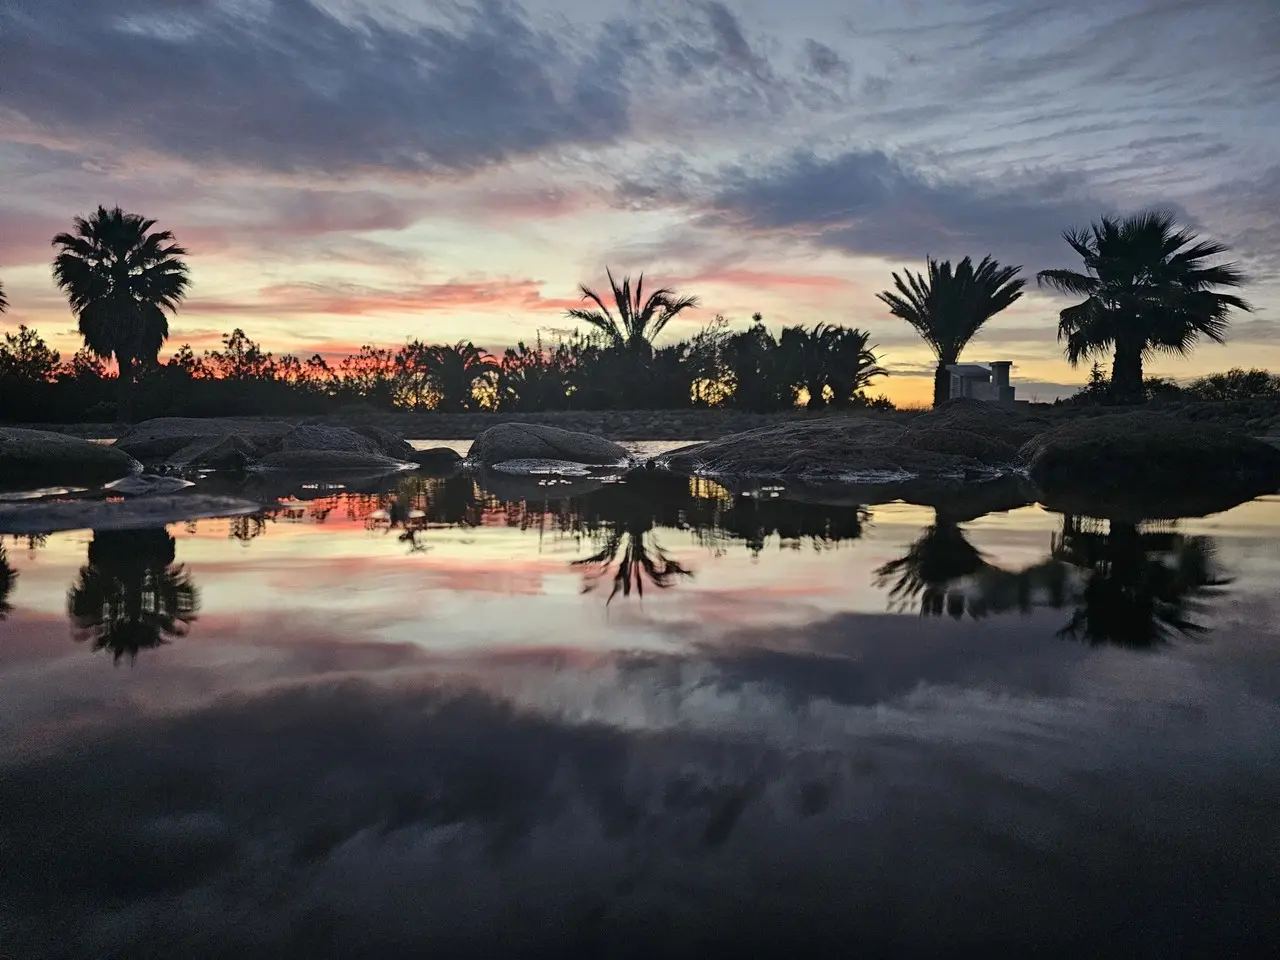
point(368, 171)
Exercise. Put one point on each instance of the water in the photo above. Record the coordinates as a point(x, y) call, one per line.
point(611, 719)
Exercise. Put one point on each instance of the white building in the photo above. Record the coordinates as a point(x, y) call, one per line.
point(989, 382)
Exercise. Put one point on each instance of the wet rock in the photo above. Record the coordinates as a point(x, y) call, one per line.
point(156, 440)
point(435, 459)
point(529, 441)
point(1145, 454)
point(49, 517)
point(315, 436)
point(328, 462)
point(988, 450)
point(227, 453)
point(34, 458)
point(387, 443)
point(841, 449)
point(542, 468)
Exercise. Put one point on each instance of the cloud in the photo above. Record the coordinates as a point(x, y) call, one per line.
point(288, 85)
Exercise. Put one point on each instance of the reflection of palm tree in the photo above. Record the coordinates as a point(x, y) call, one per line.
point(8, 577)
point(131, 596)
point(1140, 586)
point(642, 559)
point(932, 565)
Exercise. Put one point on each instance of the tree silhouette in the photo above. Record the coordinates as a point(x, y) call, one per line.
point(1147, 290)
point(455, 370)
point(120, 279)
point(1141, 587)
point(4, 301)
point(948, 308)
point(8, 580)
point(639, 319)
point(131, 596)
point(926, 574)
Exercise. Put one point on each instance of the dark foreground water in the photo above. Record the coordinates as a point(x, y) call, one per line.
point(604, 719)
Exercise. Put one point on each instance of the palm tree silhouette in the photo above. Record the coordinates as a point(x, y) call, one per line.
point(4, 301)
point(120, 280)
point(131, 596)
point(8, 579)
point(455, 370)
point(639, 319)
point(931, 567)
point(1147, 289)
point(1142, 587)
point(948, 308)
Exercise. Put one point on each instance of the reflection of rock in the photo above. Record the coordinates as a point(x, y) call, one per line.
point(327, 462)
point(147, 485)
point(156, 440)
point(119, 515)
point(530, 441)
point(532, 488)
point(131, 596)
point(1123, 454)
point(435, 460)
point(33, 458)
point(830, 449)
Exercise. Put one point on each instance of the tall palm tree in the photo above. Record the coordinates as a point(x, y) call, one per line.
point(639, 319)
point(121, 279)
point(948, 308)
point(1147, 289)
point(131, 596)
point(4, 301)
point(805, 353)
point(456, 370)
point(851, 364)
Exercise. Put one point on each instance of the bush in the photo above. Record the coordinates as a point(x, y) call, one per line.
point(1236, 384)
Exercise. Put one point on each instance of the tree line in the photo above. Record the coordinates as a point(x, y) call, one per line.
point(1147, 286)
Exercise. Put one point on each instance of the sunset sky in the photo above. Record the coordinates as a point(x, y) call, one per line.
point(352, 171)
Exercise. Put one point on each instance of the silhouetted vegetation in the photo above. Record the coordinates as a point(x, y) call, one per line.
point(1148, 290)
point(8, 580)
point(131, 596)
point(947, 308)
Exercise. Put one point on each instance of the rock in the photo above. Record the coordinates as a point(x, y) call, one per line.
point(842, 449)
point(147, 485)
point(529, 441)
point(388, 444)
point(989, 450)
point(144, 512)
point(1144, 454)
point(989, 420)
point(315, 436)
point(228, 453)
point(435, 459)
point(34, 458)
point(328, 462)
point(155, 440)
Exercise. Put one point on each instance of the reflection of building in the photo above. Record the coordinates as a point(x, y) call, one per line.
point(988, 382)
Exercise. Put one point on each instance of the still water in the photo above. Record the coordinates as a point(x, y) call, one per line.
point(640, 719)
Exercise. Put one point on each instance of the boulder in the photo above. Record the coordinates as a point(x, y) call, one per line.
point(989, 420)
point(153, 441)
point(327, 462)
point(435, 459)
point(34, 458)
point(229, 453)
point(989, 450)
point(530, 441)
point(841, 449)
point(388, 444)
point(1147, 454)
point(316, 436)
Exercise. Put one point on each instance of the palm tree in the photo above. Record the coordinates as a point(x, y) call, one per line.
point(1147, 289)
point(639, 319)
point(456, 370)
point(131, 596)
point(4, 301)
point(947, 308)
point(805, 353)
point(931, 569)
point(120, 279)
point(851, 364)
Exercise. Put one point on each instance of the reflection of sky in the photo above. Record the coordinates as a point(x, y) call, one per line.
point(340, 695)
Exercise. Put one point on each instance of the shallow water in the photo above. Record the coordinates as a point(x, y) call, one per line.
point(619, 720)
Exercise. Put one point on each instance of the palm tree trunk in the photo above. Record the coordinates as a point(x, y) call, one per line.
point(941, 383)
point(1126, 373)
point(124, 397)
point(815, 395)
